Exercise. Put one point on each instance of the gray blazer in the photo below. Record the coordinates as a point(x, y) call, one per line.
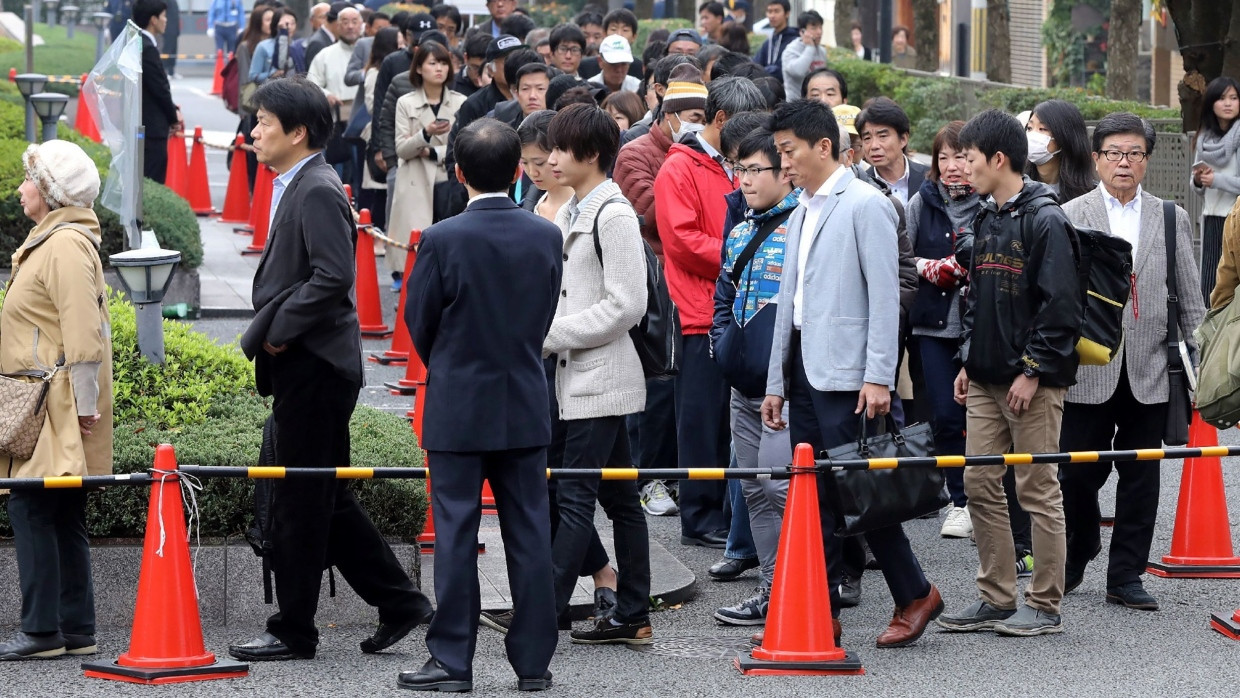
point(851, 306)
point(1145, 332)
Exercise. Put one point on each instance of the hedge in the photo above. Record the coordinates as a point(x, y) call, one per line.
point(201, 401)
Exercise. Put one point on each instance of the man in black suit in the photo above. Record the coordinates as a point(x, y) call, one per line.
point(325, 35)
point(884, 129)
point(306, 346)
point(159, 113)
point(481, 299)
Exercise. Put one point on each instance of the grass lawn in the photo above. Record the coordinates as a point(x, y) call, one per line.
point(57, 56)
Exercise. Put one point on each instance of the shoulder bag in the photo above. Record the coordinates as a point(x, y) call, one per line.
point(1179, 406)
point(23, 408)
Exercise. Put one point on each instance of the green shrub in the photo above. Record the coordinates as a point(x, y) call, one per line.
point(1016, 100)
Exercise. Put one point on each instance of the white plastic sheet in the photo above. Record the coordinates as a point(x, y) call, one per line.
point(113, 92)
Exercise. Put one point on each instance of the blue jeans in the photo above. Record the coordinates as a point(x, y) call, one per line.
point(740, 538)
point(226, 39)
point(938, 359)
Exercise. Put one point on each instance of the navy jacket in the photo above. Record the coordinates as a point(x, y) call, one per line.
point(771, 55)
point(481, 299)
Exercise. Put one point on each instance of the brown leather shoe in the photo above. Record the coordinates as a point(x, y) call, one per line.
point(837, 631)
point(909, 622)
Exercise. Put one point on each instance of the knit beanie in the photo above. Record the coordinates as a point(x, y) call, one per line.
point(684, 90)
point(63, 172)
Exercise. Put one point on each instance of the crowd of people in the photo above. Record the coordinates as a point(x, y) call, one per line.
point(546, 165)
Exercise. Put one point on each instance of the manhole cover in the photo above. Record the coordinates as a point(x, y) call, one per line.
point(726, 647)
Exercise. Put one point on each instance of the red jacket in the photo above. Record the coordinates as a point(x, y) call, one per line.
point(636, 167)
point(689, 190)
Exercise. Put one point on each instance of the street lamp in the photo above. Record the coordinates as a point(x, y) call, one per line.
point(146, 273)
point(29, 84)
point(70, 13)
point(101, 20)
point(51, 11)
point(49, 106)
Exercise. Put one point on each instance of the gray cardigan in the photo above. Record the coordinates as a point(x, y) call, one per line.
point(598, 372)
point(1145, 336)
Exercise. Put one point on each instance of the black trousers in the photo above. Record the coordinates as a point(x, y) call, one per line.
point(702, 436)
point(1119, 423)
point(53, 561)
point(600, 443)
point(155, 158)
point(652, 432)
point(826, 420)
point(1211, 253)
point(596, 555)
point(318, 523)
point(518, 482)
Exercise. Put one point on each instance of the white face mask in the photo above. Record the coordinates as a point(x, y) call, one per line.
point(1038, 144)
point(686, 127)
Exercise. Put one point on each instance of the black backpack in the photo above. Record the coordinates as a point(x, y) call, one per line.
point(1104, 265)
point(657, 335)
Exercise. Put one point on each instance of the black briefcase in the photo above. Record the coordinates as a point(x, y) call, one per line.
point(867, 500)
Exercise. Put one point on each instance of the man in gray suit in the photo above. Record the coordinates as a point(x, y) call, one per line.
point(1123, 404)
point(834, 350)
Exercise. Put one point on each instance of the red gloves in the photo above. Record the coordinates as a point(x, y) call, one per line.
point(944, 273)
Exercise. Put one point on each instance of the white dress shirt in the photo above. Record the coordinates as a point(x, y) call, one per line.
point(900, 186)
point(1125, 219)
point(813, 204)
point(281, 183)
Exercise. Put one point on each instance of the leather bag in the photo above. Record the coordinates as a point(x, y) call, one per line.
point(23, 409)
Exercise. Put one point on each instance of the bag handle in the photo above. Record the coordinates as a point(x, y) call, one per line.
point(887, 426)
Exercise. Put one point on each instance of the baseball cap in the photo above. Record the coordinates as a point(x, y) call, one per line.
point(419, 23)
point(684, 35)
point(615, 49)
point(846, 115)
point(503, 45)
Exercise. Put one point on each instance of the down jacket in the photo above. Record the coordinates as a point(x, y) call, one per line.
point(637, 165)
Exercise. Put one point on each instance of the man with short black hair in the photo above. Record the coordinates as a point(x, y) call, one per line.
point(568, 45)
point(771, 53)
point(591, 24)
point(884, 129)
point(306, 347)
point(828, 86)
point(1021, 321)
point(493, 269)
point(622, 22)
point(159, 113)
point(710, 20)
point(802, 57)
point(473, 75)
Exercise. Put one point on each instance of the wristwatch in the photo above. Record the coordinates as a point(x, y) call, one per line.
point(1030, 372)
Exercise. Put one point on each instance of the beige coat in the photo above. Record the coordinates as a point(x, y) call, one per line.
point(56, 304)
point(413, 195)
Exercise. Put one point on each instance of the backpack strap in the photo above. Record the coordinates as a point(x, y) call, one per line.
point(598, 247)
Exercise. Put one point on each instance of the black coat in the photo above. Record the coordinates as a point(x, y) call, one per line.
point(303, 288)
point(159, 112)
point(317, 42)
point(480, 301)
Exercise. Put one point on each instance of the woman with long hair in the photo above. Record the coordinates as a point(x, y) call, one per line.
point(374, 191)
point(1059, 152)
point(256, 29)
point(271, 59)
point(424, 117)
point(1216, 174)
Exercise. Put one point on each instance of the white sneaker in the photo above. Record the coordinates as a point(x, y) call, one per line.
point(656, 501)
point(957, 524)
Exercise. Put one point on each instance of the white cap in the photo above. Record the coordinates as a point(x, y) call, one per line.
point(615, 49)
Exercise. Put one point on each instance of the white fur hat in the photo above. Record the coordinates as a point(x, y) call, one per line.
point(63, 172)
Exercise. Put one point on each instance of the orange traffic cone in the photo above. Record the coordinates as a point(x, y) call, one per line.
point(177, 174)
point(166, 643)
point(83, 122)
point(260, 212)
point(402, 343)
point(1201, 541)
point(1229, 626)
point(799, 638)
point(237, 198)
point(217, 85)
point(199, 186)
point(369, 312)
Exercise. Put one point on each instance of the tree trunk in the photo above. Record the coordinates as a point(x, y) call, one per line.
point(1122, 49)
point(1201, 30)
point(926, 34)
point(998, 42)
point(845, 15)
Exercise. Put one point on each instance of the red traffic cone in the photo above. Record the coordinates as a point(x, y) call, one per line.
point(237, 198)
point(1201, 541)
point(83, 122)
point(177, 174)
point(1229, 626)
point(369, 312)
point(166, 643)
point(217, 84)
point(260, 212)
point(402, 343)
point(799, 638)
point(12, 74)
point(199, 186)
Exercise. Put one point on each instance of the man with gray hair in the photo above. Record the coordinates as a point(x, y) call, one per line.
point(689, 196)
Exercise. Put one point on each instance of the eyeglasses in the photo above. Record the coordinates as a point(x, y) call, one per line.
point(569, 50)
point(1117, 155)
point(755, 171)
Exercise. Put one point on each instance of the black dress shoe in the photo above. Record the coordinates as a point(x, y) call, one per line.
point(1074, 572)
point(539, 684)
point(25, 646)
point(388, 634)
point(712, 539)
point(80, 645)
point(266, 648)
point(731, 568)
point(1132, 595)
point(433, 677)
point(850, 591)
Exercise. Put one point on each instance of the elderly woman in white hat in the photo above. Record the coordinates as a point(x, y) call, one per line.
point(55, 317)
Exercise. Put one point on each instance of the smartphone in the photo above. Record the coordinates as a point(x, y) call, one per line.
point(441, 121)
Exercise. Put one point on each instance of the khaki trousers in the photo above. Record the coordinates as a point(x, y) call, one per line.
point(993, 428)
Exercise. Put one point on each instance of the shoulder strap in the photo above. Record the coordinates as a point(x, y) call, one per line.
point(598, 247)
point(1173, 298)
point(760, 235)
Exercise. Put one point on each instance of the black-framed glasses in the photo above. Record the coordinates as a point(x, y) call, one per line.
point(1117, 155)
point(755, 170)
point(568, 50)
